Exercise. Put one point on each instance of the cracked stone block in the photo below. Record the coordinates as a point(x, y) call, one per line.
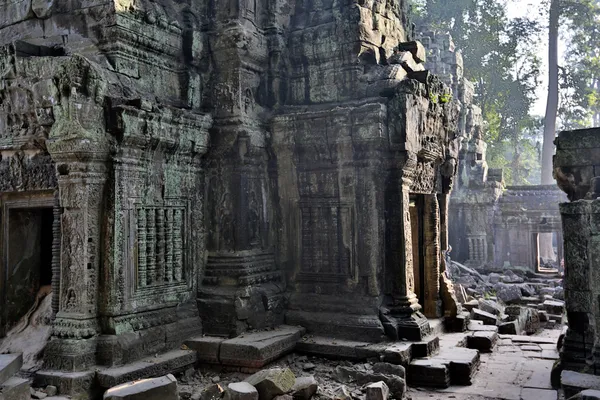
point(163, 388)
point(272, 382)
point(482, 341)
point(377, 391)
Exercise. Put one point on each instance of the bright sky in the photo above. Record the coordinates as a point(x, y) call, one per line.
point(521, 8)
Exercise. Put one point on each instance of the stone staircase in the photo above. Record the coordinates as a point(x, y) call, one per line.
point(439, 360)
point(11, 386)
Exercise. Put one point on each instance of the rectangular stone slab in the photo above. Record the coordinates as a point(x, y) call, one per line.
point(259, 348)
point(574, 382)
point(15, 389)
point(170, 362)
point(207, 347)
point(161, 388)
point(528, 339)
point(10, 364)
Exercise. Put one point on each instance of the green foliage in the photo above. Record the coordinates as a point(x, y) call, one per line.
point(500, 57)
point(580, 74)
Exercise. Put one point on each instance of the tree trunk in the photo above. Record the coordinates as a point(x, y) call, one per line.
point(552, 105)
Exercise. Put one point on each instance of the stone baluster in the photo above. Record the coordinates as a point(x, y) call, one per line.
point(56, 214)
point(169, 245)
point(160, 245)
point(177, 246)
point(151, 245)
point(142, 246)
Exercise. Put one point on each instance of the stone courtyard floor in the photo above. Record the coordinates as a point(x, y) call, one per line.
point(515, 370)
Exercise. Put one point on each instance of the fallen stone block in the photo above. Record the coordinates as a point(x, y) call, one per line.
point(389, 369)
point(589, 394)
point(554, 307)
point(241, 391)
point(482, 341)
point(509, 328)
point(10, 364)
point(15, 389)
point(485, 317)
point(510, 294)
point(395, 383)
point(304, 388)
point(342, 393)
point(377, 391)
point(491, 307)
point(416, 48)
point(212, 392)
point(428, 373)
point(163, 388)
point(272, 382)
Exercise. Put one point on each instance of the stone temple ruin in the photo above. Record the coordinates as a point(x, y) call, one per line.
point(223, 183)
point(179, 169)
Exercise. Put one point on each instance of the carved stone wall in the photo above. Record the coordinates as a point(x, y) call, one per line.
point(215, 160)
point(574, 171)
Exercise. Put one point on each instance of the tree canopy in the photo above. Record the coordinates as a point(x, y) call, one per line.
point(502, 57)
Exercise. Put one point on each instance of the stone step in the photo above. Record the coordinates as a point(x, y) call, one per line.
point(163, 364)
point(10, 364)
point(574, 382)
point(429, 346)
point(253, 350)
point(15, 389)
point(456, 366)
point(528, 339)
point(343, 349)
point(67, 383)
point(428, 373)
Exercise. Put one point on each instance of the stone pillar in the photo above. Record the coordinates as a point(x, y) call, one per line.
point(581, 275)
point(81, 162)
point(432, 306)
point(242, 284)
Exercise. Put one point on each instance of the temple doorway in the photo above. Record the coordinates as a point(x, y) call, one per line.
point(26, 267)
point(416, 209)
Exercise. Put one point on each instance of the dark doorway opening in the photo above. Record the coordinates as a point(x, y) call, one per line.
point(418, 249)
point(27, 261)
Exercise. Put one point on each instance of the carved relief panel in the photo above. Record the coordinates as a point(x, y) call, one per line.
point(327, 240)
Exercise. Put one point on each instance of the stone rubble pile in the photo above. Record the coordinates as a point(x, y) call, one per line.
point(516, 301)
point(296, 377)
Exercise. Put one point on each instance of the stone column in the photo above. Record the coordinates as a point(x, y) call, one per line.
point(432, 256)
point(579, 280)
point(81, 162)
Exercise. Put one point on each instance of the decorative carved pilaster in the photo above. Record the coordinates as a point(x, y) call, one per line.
point(56, 239)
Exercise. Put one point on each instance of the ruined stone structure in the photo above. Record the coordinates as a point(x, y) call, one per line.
point(577, 154)
point(216, 167)
point(490, 224)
